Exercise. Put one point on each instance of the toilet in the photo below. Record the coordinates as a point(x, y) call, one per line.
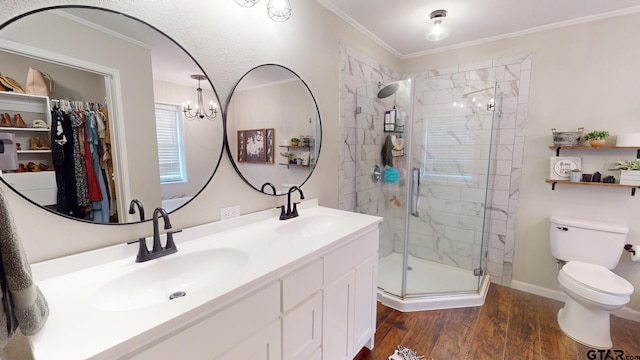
point(589, 250)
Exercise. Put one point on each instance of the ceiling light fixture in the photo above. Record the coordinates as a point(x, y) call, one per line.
point(246, 3)
point(278, 10)
point(435, 30)
point(200, 112)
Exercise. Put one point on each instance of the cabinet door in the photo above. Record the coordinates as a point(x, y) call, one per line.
point(302, 329)
point(338, 316)
point(263, 346)
point(364, 325)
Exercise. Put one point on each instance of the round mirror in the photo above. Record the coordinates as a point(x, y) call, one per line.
point(273, 129)
point(106, 109)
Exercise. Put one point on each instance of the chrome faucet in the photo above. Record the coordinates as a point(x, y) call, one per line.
point(292, 211)
point(157, 250)
point(270, 185)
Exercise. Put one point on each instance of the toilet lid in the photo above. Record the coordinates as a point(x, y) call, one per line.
point(598, 278)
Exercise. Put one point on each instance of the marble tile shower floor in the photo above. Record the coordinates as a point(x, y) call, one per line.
point(424, 276)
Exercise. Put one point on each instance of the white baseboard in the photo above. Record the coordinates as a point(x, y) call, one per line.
point(625, 313)
point(628, 313)
point(538, 290)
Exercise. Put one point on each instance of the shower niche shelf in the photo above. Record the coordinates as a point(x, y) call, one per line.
point(394, 129)
point(600, 184)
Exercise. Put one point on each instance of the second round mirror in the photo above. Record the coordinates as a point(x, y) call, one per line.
point(273, 129)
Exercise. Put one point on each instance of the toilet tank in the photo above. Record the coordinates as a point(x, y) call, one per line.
point(588, 241)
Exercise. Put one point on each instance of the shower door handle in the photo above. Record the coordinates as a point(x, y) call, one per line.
point(415, 191)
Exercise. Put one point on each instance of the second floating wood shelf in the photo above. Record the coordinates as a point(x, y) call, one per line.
point(567, 182)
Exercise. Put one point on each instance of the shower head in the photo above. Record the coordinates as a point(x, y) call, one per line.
point(387, 90)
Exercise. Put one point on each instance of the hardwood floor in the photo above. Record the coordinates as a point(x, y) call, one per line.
point(510, 325)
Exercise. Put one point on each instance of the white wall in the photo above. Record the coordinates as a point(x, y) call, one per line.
point(202, 140)
point(227, 40)
point(583, 75)
point(69, 83)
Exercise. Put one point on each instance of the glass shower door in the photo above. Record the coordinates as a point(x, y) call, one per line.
point(448, 192)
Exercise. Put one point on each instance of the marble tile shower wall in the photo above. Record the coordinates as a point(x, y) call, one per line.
point(361, 138)
point(451, 233)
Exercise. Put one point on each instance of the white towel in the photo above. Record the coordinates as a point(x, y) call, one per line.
point(23, 305)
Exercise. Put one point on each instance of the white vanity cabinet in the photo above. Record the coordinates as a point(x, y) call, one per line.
point(324, 309)
point(297, 297)
point(350, 275)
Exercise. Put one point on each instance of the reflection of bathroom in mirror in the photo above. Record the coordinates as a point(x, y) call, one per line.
point(140, 79)
point(272, 96)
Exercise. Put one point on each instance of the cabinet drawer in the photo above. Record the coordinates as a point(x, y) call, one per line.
point(347, 257)
point(300, 284)
point(222, 331)
point(266, 345)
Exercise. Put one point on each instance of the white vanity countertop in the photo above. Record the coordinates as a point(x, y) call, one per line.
point(77, 329)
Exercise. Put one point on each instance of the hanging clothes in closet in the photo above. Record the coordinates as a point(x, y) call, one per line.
point(99, 209)
point(62, 158)
point(77, 150)
point(107, 160)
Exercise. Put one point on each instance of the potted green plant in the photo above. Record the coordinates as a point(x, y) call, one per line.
point(295, 141)
point(596, 138)
point(628, 165)
point(290, 156)
point(629, 171)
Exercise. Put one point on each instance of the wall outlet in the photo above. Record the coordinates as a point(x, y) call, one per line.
point(229, 212)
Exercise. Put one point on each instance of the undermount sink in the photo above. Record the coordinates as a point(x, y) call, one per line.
point(173, 276)
point(311, 226)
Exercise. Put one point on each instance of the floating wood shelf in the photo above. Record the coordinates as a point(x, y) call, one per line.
point(295, 165)
point(567, 182)
point(581, 147)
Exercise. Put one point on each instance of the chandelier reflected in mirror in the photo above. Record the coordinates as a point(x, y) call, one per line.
point(278, 10)
point(199, 112)
point(246, 3)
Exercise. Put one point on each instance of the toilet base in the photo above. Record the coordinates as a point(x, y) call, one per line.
point(585, 325)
